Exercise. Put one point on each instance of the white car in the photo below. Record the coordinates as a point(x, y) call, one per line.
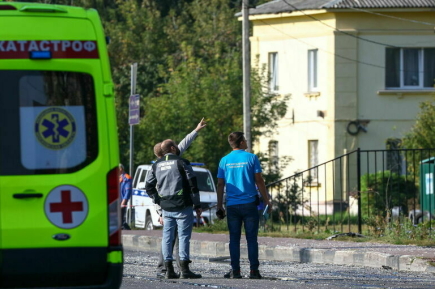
point(145, 211)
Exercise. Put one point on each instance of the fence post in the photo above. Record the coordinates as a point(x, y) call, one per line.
point(358, 173)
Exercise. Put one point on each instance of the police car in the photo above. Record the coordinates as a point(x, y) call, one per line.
point(145, 211)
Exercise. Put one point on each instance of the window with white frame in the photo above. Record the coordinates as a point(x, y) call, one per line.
point(410, 68)
point(312, 70)
point(313, 159)
point(273, 71)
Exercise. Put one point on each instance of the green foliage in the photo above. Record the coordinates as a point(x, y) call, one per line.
point(381, 191)
point(422, 134)
point(288, 199)
point(272, 167)
point(189, 66)
point(218, 227)
point(401, 231)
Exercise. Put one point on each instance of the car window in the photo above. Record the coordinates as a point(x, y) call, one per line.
point(49, 122)
point(205, 182)
point(143, 176)
point(136, 177)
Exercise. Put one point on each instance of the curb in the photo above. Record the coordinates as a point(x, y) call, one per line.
point(293, 254)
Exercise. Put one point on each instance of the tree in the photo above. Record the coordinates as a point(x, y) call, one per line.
point(422, 134)
point(189, 66)
point(204, 78)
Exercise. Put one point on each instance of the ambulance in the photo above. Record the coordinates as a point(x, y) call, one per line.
point(59, 182)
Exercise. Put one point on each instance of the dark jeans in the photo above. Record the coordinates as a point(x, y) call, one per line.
point(248, 215)
point(124, 218)
point(161, 265)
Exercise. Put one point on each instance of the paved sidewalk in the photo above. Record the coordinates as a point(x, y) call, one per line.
point(398, 257)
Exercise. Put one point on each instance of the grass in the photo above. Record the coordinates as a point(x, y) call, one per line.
point(374, 230)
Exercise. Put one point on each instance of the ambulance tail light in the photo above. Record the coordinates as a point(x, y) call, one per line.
point(114, 207)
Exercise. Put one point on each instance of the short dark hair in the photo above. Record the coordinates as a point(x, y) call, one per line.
point(235, 138)
point(166, 146)
point(158, 150)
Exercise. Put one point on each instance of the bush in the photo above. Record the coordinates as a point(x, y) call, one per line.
point(382, 191)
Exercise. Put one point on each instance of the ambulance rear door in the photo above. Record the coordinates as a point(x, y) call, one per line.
point(56, 153)
point(53, 200)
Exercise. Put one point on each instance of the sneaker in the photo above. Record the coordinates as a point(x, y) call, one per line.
point(254, 274)
point(235, 274)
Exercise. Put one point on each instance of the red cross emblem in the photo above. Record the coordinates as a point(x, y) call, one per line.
point(66, 207)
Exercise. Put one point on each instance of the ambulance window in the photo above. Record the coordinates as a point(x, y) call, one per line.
point(204, 181)
point(51, 122)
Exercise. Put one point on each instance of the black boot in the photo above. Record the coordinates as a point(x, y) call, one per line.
point(186, 273)
point(170, 273)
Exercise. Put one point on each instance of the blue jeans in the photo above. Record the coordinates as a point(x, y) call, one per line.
point(248, 214)
point(183, 221)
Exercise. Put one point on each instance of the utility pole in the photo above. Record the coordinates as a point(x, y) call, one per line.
point(132, 92)
point(246, 74)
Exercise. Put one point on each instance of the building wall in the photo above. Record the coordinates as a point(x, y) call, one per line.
point(390, 115)
point(351, 75)
point(292, 42)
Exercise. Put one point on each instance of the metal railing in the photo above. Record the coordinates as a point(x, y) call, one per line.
point(360, 191)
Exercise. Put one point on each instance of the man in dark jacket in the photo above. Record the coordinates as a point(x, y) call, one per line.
point(178, 193)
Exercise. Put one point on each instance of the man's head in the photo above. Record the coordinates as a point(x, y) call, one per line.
point(169, 146)
point(158, 150)
point(237, 140)
point(121, 168)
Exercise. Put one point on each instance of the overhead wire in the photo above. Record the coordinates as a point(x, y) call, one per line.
point(326, 51)
point(332, 53)
point(338, 30)
point(393, 17)
point(343, 32)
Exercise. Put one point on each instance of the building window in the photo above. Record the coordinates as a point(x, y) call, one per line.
point(410, 68)
point(395, 160)
point(312, 70)
point(273, 71)
point(313, 159)
point(273, 154)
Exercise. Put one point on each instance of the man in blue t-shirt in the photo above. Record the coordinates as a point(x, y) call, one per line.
point(239, 172)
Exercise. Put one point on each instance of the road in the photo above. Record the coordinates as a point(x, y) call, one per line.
point(139, 272)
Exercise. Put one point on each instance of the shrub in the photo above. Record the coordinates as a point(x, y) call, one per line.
point(382, 191)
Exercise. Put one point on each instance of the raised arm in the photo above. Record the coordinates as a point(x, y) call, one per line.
point(188, 139)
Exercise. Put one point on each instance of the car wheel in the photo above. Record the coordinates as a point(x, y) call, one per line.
point(149, 223)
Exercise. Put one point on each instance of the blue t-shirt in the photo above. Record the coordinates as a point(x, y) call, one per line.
point(238, 169)
point(125, 186)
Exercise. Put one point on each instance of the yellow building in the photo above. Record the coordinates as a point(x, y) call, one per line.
point(356, 71)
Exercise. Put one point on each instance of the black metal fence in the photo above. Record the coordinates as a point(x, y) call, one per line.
point(364, 191)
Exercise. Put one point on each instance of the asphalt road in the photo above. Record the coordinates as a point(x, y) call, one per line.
point(140, 272)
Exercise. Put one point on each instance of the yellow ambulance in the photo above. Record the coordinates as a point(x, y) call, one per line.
point(59, 182)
